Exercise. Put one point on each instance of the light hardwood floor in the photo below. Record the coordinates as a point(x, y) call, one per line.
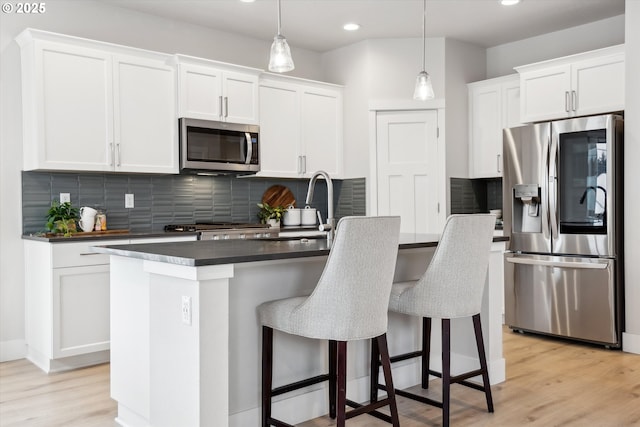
point(549, 383)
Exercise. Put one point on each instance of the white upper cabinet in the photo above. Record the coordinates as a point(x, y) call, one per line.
point(576, 85)
point(146, 125)
point(494, 104)
point(210, 90)
point(300, 127)
point(92, 106)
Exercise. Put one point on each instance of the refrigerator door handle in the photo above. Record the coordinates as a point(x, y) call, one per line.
point(552, 183)
point(561, 264)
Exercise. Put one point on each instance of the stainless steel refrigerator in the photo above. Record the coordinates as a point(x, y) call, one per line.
point(562, 209)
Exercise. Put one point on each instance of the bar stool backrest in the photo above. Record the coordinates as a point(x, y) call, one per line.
point(454, 281)
point(351, 298)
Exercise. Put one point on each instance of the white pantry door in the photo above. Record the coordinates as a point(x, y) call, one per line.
point(408, 171)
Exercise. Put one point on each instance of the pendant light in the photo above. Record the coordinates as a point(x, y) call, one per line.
point(280, 60)
point(424, 89)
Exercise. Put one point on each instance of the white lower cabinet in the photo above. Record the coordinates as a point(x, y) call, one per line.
point(67, 302)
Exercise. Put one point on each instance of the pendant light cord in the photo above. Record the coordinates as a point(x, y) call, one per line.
point(424, 19)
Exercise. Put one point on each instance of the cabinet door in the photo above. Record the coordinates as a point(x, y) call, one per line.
point(145, 117)
point(486, 131)
point(80, 310)
point(545, 94)
point(279, 131)
point(200, 92)
point(70, 115)
point(598, 85)
point(321, 128)
point(240, 98)
point(511, 105)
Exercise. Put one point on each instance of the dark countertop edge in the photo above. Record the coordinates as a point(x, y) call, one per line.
point(240, 259)
point(78, 237)
point(243, 258)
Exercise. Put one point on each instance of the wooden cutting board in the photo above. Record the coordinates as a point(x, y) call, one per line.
point(279, 195)
point(99, 233)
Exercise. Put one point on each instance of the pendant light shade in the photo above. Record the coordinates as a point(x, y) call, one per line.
point(280, 60)
point(424, 88)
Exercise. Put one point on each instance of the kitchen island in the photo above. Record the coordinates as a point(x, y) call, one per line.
point(185, 336)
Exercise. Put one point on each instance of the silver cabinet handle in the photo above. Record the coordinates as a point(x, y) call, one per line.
point(90, 253)
point(220, 105)
point(304, 164)
point(574, 100)
point(226, 106)
point(299, 164)
point(498, 163)
point(566, 101)
point(111, 154)
point(119, 157)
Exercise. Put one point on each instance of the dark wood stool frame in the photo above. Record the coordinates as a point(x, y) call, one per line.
point(447, 379)
point(337, 378)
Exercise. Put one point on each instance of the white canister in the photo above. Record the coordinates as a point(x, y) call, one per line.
point(308, 216)
point(291, 216)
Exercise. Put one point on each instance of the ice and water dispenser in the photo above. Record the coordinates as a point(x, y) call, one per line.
point(526, 208)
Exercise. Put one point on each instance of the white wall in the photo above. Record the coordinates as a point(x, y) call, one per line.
point(631, 339)
point(607, 32)
point(378, 70)
point(464, 63)
point(98, 21)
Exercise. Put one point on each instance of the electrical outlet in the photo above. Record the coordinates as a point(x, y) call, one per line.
point(186, 310)
point(65, 197)
point(128, 201)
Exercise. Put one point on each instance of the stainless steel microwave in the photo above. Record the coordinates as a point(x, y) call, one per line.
point(218, 147)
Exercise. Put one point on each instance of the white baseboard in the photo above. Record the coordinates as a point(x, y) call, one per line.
point(67, 363)
point(631, 343)
point(12, 350)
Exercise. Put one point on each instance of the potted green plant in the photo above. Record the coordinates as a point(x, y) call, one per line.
point(61, 218)
point(270, 214)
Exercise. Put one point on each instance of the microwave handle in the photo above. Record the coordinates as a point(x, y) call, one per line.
point(249, 148)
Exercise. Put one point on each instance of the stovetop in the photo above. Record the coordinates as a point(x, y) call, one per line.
point(207, 226)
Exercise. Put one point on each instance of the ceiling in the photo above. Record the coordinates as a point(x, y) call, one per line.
point(317, 24)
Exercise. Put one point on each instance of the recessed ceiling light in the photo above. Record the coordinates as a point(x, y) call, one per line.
point(247, 1)
point(352, 26)
point(509, 2)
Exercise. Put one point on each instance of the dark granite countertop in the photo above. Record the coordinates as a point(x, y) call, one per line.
point(216, 252)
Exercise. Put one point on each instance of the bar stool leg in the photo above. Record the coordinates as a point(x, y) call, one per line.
point(342, 383)
point(388, 380)
point(446, 371)
point(267, 373)
point(333, 356)
point(426, 350)
point(483, 361)
point(375, 370)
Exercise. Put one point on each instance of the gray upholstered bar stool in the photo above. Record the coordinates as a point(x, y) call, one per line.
point(349, 303)
point(452, 287)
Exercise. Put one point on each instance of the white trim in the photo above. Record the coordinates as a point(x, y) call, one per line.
point(631, 343)
point(405, 104)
